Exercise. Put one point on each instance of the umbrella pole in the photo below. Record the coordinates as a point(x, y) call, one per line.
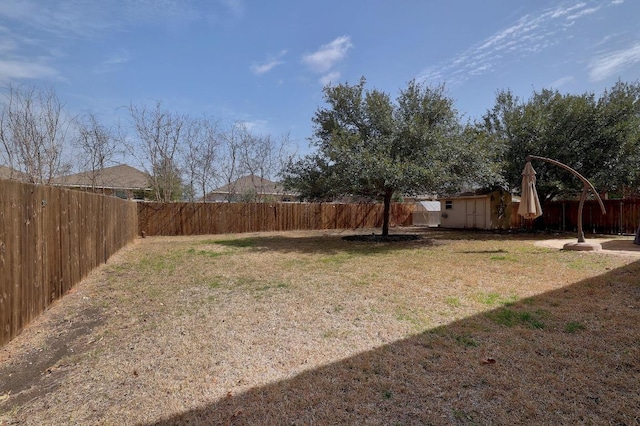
point(583, 197)
point(585, 191)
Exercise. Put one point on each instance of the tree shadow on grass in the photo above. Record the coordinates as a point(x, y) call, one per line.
point(362, 241)
point(568, 356)
point(325, 244)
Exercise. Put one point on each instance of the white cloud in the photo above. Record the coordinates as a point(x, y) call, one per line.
point(17, 9)
point(53, 26)
point(119, 57)
point(7, 45)
point(64, 18)
point(266, 67)
point(328, 55)
point(15, 69)
point(617, 2)
point(528, 36)
point(269, 64)
point(87, 18)
point(508, 36)
point(330, 78)
point(562, 81)
point(562, 10)
point(23, 57)
point(582, 13)
point(258, 126)
point(611, 64)
point(115, 61)
point(236, 7)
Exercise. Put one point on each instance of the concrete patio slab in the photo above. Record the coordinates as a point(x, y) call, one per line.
point(617, 246)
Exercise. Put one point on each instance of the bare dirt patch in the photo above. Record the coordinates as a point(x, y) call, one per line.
point(306, 328)
point(39, 369)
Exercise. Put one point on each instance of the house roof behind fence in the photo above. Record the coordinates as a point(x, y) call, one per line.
point(120, 177)
point(5, 172)
point(251, 183)
point(9, 173)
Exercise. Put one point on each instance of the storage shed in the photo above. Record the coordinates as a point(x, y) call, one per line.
point(480, 210)
point(426, 213)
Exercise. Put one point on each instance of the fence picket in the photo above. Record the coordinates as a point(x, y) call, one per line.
point(221, 218)
point(622, 217)
point(50, 238)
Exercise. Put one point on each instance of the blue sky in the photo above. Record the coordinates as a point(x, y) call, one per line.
point(265, 63)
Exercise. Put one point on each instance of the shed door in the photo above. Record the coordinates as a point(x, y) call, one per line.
point(475, 213)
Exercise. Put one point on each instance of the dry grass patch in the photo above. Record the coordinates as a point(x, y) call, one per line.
point(306, 328)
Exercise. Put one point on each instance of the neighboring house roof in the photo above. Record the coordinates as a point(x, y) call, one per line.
point(251, 183)
point(116, 177)
point(6, 172)
point(9, 173)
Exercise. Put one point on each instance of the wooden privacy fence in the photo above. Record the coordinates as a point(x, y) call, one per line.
point(623, 216)
point(220, 218)
point(50, 238)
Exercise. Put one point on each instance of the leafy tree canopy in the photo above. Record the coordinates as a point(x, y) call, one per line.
point(368, 145)
point(600, 138)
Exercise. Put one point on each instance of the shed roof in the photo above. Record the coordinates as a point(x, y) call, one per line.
point(480, 193)
point(430, 206)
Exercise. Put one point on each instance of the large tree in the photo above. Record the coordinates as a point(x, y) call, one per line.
point(618, 138)
point(600, 138)
point(369, 146)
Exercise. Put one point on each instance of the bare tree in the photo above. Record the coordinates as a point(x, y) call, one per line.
point(33, 133)
point(274, 155)
point(159, 133)
point(263, 157)
point(254, 154)
point(97, 143)
point(200, 153)
point(228, 161)
point(248, 154)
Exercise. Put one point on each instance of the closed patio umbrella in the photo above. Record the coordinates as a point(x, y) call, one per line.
point(529, 203)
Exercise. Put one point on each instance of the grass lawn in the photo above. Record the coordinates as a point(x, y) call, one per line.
point(306, 328)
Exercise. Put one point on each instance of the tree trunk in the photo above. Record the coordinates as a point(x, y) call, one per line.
point(387, 212)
